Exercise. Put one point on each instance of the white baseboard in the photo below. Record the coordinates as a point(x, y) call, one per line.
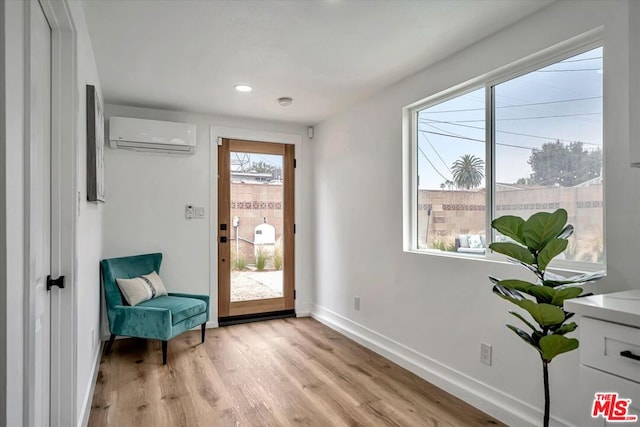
point(482, 396)
point(86, 403)
point(303, 309)
point(212, 324)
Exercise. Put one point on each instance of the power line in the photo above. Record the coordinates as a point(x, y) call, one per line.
point(579, 60)
point(567, 174)
point(424, 121)
point(520, 105)
point(547, 182)
point(448, 132)
point(453, 136)
point(479, 140)
point(529, 118)
point(436, 151)
point(432, 165)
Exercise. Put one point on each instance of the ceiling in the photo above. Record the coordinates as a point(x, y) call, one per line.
point(327, 55)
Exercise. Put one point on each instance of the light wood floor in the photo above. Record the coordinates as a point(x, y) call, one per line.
point(275, 373)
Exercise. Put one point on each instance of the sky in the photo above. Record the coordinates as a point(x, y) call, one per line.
point(247, 159)
point(562, 101)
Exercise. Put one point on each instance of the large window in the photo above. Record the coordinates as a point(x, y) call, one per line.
point(451, 174)
point(515, 145)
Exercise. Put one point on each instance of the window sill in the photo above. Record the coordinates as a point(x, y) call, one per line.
point(559, 267)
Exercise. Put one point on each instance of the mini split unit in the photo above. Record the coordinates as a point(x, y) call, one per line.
point(152, 135)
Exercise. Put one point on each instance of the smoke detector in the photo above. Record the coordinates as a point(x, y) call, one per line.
point(285, 101)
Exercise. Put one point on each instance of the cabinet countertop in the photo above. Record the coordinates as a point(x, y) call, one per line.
point(618, 307)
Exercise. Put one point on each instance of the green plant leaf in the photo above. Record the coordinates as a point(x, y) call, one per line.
point(566, 232)
point(518, 285)
point(510, 226)
point(565, 329)
point(551, 250)
point(525, 337)
point(525, 321)
point(508, 294)
point(555, 280)
point(513, 250)
point(494, 280)
point(553, 345)
point(543, 294)
point(566, 293)
point(542, 227)
point(545, 314)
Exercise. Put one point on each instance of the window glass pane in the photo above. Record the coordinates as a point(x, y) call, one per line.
point(451, 175)
point(548, 154)
point(257, 247)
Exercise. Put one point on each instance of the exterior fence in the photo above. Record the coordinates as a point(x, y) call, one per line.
point(445, 214)
point(252, 203)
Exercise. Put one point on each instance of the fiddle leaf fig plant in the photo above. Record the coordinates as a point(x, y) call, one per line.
point(534, 243)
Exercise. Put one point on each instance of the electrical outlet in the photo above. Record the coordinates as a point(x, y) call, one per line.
point(188, 213)
point(485, 354)
point(356, 303)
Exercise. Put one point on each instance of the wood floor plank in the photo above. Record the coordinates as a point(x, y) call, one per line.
point(276, 373)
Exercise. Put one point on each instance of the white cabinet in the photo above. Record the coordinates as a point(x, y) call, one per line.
point(609, 351)
point(605, 365)
point(593, 381)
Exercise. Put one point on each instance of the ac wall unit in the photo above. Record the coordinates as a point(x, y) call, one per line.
point(152, 135)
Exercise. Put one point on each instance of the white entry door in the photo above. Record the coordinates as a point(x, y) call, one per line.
point(39, 215)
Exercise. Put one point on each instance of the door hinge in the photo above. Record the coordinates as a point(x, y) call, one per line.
point(294, 229)
point(295, 163)
point(59, 282)
point(294, 294)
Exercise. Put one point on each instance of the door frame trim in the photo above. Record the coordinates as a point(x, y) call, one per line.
point(64, 140)
point(216, 132)
point(226, 307)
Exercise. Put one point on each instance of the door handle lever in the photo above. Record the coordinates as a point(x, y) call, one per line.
point(59, 282)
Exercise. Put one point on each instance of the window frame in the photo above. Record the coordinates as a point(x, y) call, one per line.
point(489, 81)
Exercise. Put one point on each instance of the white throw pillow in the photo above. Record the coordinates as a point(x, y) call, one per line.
point(474, 241)
point(142, 288)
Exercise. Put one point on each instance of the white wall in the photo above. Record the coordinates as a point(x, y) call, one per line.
point(88, 232)
point(428, 312)
point(3, 226)
point(147, 193)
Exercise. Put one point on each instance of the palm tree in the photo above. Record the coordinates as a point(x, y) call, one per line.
point(468, 172)
point(447, 184)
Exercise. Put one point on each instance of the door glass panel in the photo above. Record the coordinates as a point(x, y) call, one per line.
point(256, 242)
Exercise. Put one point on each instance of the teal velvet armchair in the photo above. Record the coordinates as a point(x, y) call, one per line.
point(160, 318)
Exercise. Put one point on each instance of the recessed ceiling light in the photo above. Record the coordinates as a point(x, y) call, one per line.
point(243, 88)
